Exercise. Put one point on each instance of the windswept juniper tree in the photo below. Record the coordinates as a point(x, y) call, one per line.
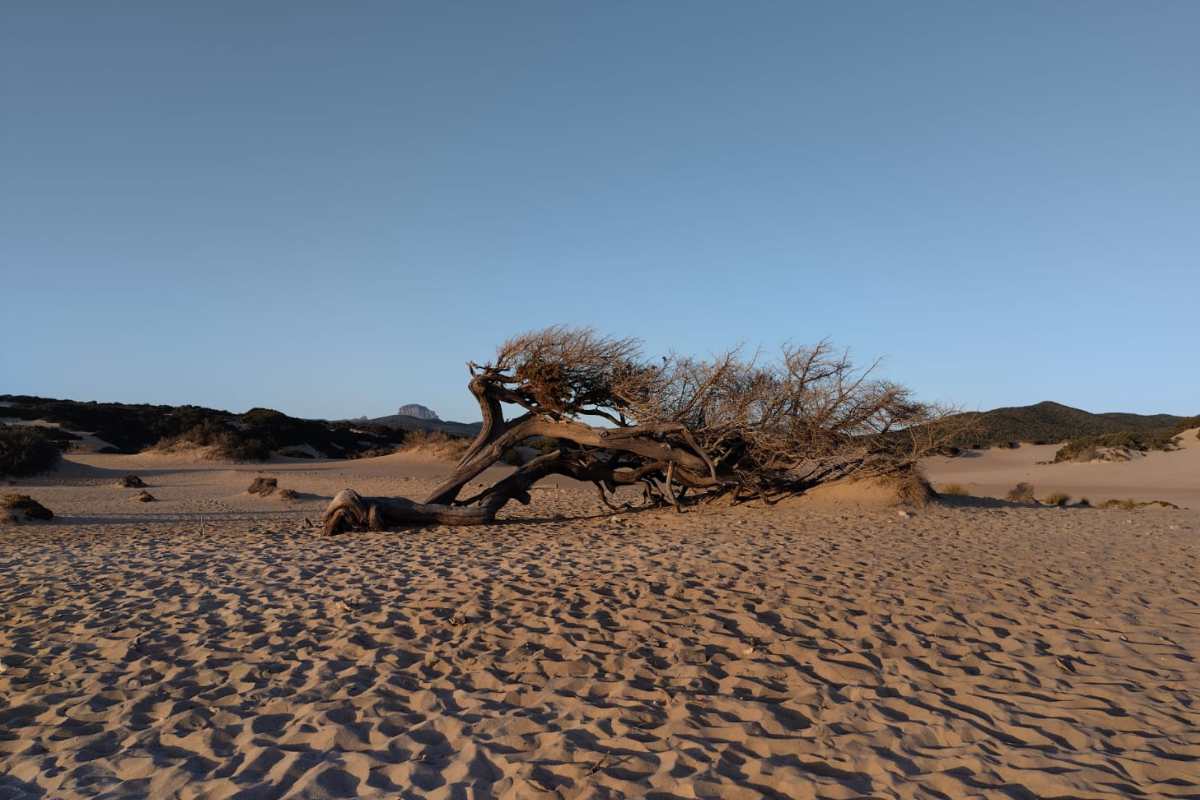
point(684, 430)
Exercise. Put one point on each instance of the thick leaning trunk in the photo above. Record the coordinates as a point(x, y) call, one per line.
point(489, 447)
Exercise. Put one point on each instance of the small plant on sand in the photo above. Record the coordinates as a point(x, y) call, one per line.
point(912, 488)
point(1133, 505)
point(1084, 503)
point(1057, 499)
point(953, 490)
point(26, 451)
point(144, 497)
point(1021, 493)
point(22, 507)
point(263, 486)
point(288, 494)
point(1116, 446)
point(131, 482)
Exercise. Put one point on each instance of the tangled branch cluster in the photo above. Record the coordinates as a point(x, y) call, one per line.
point(686, 430)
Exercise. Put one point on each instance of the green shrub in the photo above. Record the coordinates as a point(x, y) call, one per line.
point(26, 451)
point(1021, 493)
point(1087, 448)
point(225, 440)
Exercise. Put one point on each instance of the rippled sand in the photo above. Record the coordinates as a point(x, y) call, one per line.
point(212, 644)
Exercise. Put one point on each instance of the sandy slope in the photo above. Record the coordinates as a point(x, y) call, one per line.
point(1173, 476)
point(212, 645)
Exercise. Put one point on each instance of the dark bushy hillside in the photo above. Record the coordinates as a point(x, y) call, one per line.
point(243, 437)
point(128, 427)
point(1049, 423)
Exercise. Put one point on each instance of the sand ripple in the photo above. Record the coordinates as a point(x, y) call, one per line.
point(959, 653)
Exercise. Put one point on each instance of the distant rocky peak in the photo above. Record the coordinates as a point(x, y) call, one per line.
point(419, 411)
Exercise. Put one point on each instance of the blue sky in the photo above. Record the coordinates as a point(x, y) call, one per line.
point(329, 208)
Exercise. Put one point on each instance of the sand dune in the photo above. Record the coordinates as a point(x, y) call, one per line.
point(1172, 476)
point(213, 645)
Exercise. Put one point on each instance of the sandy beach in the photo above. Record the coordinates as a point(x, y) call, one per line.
point(212, 644)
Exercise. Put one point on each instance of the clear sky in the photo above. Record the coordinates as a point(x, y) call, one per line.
point(329, 208)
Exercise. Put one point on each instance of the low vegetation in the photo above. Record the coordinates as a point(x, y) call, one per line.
point(26, 450)
point(912, 488)
point(1116, 446)
point(1050, 423)
point(435, 443)
point(953, 490)
point(21, 508)
point(1021, 493)
point(1057, 499)
point(261, 432)
point(1133, 505)
point(220, 439)
point(263, 486)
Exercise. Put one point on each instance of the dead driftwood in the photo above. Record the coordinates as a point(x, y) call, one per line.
point(683, 431)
